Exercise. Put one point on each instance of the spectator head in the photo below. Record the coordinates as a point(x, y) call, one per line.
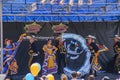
point(117, 79)
point(105, 78)
point(43, 77)
point(64, 77)
point(7, 79)
point(74, 75)
point(78, 74)
point(91, 77)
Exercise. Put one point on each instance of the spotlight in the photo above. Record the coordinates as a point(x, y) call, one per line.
point(89, 2)
point(80, 2)
point(61, 2)
point(71, 2)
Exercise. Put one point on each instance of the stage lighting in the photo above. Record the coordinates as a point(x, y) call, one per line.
point(89, 2)
point(71, 2)
point(80, 2)
point(52, 1)
point(43, 1)
point(61, 2)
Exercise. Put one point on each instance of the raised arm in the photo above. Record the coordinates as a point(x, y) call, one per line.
point(21, 37)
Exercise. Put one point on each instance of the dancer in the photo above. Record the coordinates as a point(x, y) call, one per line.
point(95, 49)
point(92, 45)
point(7, 54)
point(116, 48)
point(49, 64)
point(33, 51)
point(61, 56)
point(9, 51)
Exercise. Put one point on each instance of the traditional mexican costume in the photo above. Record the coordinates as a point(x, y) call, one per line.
point(49, 64)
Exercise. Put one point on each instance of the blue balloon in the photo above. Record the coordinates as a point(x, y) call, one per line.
point(29, 76)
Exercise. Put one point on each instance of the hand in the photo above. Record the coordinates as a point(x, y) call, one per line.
point(38, 52)
point(105, 48)
point(8, 55)
point(21, 37)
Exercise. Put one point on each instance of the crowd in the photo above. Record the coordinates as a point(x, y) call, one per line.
point(74, 76)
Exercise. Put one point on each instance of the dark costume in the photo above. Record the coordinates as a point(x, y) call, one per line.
point(61, 60)
point(93, 49)
point(33, 50)
point(116, 48)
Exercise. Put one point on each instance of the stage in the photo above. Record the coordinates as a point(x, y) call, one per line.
point(106, 59)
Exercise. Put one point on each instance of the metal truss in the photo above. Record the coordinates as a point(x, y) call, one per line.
point(98, 11)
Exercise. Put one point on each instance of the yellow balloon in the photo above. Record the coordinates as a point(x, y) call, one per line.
point(50, 77)
point(35, 69)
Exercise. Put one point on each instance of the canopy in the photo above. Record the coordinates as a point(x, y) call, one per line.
point(34, 10)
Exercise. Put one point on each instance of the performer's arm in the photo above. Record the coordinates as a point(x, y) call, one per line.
point(14, 47)
point(99, 46)
point(55, 48)
point(44, 48)
point(103, 46)
point(21, 37)
point(6, 49)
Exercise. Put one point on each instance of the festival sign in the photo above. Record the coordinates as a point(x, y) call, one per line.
point(32, 28)
point(61, 28)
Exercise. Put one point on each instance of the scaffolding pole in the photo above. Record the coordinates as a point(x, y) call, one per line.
point(1, 35)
